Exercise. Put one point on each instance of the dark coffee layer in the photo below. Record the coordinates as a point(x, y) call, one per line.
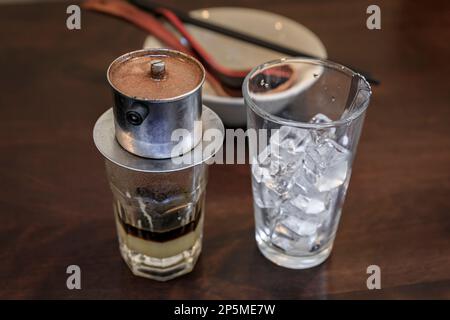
point(163, 236)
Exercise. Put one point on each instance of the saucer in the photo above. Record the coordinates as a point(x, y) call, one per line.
point(106, 142)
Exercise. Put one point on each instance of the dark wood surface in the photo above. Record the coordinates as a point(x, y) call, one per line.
point(56, 205)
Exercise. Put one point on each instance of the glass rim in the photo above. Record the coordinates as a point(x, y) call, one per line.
point(283, 121)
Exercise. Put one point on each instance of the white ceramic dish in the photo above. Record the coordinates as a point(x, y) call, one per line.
point(238, 54)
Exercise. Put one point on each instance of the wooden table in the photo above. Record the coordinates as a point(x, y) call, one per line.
point(56, 205)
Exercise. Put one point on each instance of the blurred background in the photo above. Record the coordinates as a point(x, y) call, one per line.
point(56, 206)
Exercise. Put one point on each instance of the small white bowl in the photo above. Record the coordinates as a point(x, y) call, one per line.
point(237, 54)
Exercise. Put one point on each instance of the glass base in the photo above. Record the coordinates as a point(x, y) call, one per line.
point(293, 262)
point(161, 269)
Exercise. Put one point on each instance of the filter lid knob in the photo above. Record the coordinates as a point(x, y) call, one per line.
point(157, 69)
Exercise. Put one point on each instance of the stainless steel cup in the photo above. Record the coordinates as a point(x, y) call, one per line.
point(144, 126)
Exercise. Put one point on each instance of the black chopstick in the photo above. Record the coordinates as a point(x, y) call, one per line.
point(150, 6)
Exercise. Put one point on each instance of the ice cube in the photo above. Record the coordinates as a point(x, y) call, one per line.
point(287, 208)
point(277, 166)
point(278, 135)
point(265, 197)
point(281, 239)
point(308, 205)
point(259, 172)
point(267, 159)
point(271, 189)
point(306, 197)
point(279, 184)
point(288, 146)
point(263, 158)
point(301, 227)
point(291, 136)
point(325, 133)
point(326, 165)
point(303, 184)
point(293, 235)
point(271, 181)
point(284, 239)
point(282, 157)
point(263, 166)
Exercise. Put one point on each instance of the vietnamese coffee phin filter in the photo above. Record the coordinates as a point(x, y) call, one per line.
point(158, 195)
point(156, 92)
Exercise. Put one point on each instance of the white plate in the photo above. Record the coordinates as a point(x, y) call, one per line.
point(238, 54)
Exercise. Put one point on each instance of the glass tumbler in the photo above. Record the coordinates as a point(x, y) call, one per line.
point(159, 204)
point(159, 218)
point(307, 117)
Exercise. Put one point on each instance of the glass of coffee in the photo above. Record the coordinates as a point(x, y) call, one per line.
point(158, 181)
